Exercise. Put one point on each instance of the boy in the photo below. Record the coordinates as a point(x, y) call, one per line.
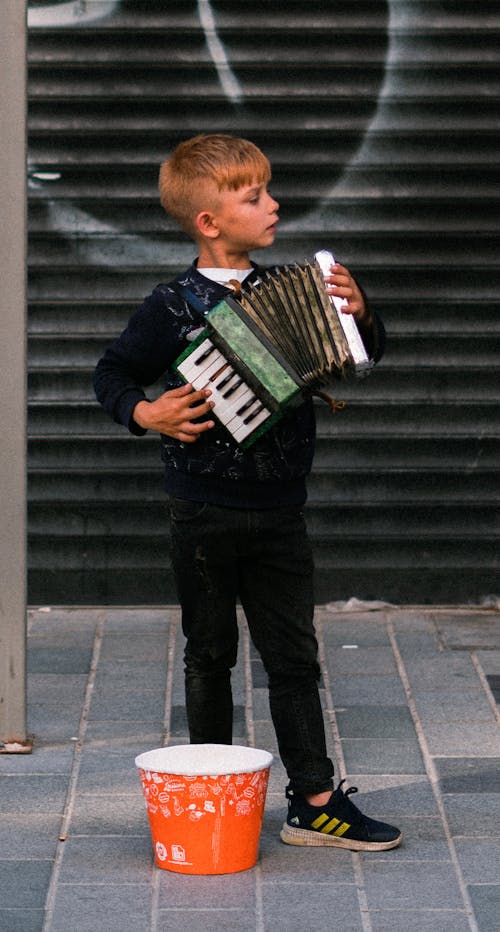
point(237, 526)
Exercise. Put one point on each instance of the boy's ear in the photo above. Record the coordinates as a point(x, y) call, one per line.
point(206, 224)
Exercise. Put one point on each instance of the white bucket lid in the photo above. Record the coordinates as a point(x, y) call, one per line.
point(204, 759)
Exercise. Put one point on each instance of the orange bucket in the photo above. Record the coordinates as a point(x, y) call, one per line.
point(205, 804)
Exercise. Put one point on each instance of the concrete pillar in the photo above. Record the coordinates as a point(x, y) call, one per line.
point(13, 737)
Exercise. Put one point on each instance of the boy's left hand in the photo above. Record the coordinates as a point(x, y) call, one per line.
point(341, 284)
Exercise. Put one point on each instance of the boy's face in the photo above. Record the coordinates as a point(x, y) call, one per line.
point(246, 219)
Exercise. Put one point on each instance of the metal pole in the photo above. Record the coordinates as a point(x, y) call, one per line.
point(13, 737)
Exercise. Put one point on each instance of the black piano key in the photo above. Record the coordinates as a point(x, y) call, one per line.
point(253, 414)
point(232, 388)
point(248, 404)
point(226, 380)
point(208, 352)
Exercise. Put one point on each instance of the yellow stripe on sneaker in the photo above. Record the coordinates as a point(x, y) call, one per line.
point(320, 821)
point(329, 827)
point(334, 825)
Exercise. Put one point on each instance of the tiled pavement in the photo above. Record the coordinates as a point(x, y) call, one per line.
point(410, 698)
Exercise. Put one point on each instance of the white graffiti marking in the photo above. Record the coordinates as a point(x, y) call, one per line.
point(229, 82)
point(71, 13)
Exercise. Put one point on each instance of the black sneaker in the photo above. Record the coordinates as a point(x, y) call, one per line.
point(339, 824)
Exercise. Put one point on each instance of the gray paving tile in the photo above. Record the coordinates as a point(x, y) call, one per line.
point(260, 705)
point(390, 803)
point(478, 630)
point(364, 661)
point(123, 733)
point(205, 920)
point(37, 793)
point(135, 646)
point(370, 755)
point(56, 659)
point(24, 883)
point(265, 737)
point(423, 840)
point(421, 643)
point(57, 689)
point(439, 707)
point(55, 704)
point(233, 891)
point(485, 901)
point(464, 740)
point(45, 758)
point(340, 631)
point(110, 815)
point(102, 908)
point(445, 670)
point(494, 684)
point(419, 920)
point(29, 835)
point(489, 660)
point(178, 725)
point(258, 674)
point(21, 920)
point(116, 674)
point(64, 622)
point(367, 690)
point(469, 774)
point(364, 721)
point(479, 859)
point(473, 814)
point(124, 703)
point(278, 780)
point(391, 882)
point(48, 727)
point(106, 860)
point(107, 769)
point(150, 621)
point(290, 907)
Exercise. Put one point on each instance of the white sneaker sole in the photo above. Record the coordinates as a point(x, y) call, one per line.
point(304, 836)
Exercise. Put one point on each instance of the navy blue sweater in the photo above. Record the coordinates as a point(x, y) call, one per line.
point(214, 469)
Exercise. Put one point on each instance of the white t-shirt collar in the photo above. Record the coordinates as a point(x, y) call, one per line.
point(223, 276)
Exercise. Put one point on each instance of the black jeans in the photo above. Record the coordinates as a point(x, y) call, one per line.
point(264, 558)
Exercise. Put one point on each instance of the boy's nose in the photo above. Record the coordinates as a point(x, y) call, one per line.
point(274, 206)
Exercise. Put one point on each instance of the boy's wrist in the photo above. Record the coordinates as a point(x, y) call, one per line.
point(364, 317)
point(140, 414)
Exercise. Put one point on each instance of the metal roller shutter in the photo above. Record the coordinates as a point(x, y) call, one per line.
point(381, 120)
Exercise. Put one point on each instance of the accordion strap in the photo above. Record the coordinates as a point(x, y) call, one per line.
point(196, 303)
point(332, 403)
point(192, 299)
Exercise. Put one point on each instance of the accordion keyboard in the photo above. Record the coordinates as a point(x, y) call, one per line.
point(235, 403)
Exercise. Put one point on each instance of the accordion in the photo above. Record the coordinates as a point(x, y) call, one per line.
point(278, 340)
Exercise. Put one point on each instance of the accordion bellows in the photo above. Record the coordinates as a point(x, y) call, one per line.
point(293, 310)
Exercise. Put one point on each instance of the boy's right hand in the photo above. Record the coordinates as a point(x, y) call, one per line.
point(173, 413)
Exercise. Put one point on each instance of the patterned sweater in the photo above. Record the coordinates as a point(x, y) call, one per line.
point(215, 469)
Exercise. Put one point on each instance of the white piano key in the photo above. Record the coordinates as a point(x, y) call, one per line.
point(201, 369)
point(245, 430)
point(242, 425)
point(234, 422)
point(204, 379)
point(229, 406)
point(195, 365)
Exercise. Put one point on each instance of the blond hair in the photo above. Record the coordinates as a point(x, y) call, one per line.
point(203, 165)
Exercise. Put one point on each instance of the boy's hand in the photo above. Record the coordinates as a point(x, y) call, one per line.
point(341, 284)
point(174, 411)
